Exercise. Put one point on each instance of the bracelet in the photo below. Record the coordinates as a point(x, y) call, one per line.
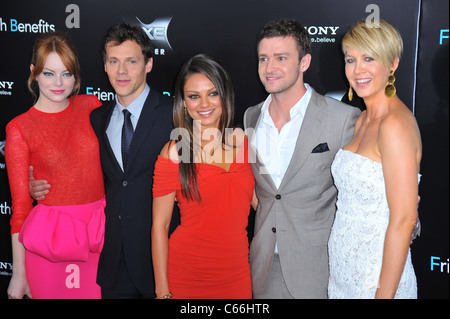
point(168, 296)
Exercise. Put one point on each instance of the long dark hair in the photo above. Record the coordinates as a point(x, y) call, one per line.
point(211, 68)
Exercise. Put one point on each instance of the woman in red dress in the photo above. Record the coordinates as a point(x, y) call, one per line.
point(205, 168)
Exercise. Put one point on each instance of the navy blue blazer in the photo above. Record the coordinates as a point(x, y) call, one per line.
point(129, 193)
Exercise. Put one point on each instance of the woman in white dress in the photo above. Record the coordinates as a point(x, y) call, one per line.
point(376, 175)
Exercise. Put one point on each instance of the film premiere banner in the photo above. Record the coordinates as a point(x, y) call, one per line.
point(228, 29)
point(431, 251)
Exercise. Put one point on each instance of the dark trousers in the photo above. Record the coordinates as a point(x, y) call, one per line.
point(123, 286)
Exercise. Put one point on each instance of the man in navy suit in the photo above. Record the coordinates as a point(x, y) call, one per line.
point(125, 268)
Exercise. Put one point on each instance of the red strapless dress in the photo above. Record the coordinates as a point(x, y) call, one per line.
point(208, 252)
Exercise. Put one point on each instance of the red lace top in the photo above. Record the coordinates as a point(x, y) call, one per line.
point(63, 149)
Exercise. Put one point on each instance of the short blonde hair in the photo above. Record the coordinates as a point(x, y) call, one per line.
point(383, 41)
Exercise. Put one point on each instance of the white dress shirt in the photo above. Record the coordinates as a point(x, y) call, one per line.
point(275, 149)
point(114, 130)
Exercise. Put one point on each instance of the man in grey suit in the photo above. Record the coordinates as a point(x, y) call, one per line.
point(294, 135)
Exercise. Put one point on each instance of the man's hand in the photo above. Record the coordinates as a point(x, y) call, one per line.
point(418, 227)
point(38, 188)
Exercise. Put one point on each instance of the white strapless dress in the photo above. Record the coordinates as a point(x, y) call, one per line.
point(357, 236)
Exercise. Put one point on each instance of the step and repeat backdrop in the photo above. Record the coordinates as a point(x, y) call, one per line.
point(227, 29)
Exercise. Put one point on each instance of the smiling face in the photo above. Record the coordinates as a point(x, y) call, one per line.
point(202, 101)
point(55, 82)
point(127, 70)
point(367, 75)
point(279, 68)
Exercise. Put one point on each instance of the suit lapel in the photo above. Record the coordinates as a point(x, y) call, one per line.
point(253, 121)
point(308, 136)
point(105, 140)
point(146, 121)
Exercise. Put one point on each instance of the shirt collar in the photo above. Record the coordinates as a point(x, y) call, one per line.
point(136, 106)
point(296, 109)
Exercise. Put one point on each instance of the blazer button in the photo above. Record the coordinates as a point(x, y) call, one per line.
point(274, 230)
point(124, 183)
point(278, 196)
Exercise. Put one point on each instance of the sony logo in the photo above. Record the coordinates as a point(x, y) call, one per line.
point(6, 85)
point(321, 30)
point(5, 265)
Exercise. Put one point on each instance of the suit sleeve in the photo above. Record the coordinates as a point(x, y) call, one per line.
point(245, 119)
point(94, 120)
point(349, 126)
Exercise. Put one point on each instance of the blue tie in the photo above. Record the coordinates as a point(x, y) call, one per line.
point(127, 135)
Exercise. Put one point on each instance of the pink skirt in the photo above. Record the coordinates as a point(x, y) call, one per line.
point(62, 248)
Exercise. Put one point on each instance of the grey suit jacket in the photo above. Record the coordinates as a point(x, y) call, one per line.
point(299, 214)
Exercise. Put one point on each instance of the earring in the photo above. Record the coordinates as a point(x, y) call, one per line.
point(185, 113)
point(390, 88)
point(350, 93)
